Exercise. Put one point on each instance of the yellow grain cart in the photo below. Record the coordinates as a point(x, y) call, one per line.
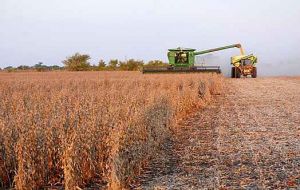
point(243, 65)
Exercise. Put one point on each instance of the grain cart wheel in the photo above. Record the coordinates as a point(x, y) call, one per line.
point(254, 72)
point(233, 72)
point(237, 73)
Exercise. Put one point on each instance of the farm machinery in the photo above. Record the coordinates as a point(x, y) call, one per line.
point(183, 60)
point(243, 65)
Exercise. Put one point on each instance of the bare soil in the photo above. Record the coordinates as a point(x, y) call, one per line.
point(249, 138)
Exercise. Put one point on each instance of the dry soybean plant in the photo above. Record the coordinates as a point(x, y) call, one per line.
point(90, 129)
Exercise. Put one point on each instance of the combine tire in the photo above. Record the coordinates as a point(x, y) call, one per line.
point(233, 72)
point(254, 72)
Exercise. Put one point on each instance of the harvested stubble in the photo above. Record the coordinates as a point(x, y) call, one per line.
point(90, 128)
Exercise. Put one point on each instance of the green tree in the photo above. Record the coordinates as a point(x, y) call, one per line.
point(10, 69)
point(55, 67)
point(40, 67)
point(156, 63)
point(131, 65)
point(101, 65)
point(113, 64)
point(77, 62)
point(23, 67)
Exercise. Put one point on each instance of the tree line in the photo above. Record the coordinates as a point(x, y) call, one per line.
point(81, 62)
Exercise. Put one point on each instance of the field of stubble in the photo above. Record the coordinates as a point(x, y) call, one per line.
point(91, 129)
point(248, 139)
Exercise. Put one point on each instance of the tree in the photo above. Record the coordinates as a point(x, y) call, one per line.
point(113, 64)
point(55, 67)
point(40, 67)
point(23, 67)
point(156, 63)
point(134, 65)
point(10, 69)
point(77, 62)
point(131, 65)
point(101, 65)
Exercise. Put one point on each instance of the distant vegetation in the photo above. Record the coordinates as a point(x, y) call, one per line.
point(77, 62)
point(37, 67)
point(80, 62)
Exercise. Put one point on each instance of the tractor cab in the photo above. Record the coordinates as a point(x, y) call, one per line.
point(243, 60)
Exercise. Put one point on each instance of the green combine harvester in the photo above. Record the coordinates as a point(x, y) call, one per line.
point(183, 60)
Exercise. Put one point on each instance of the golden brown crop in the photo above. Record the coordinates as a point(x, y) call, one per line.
point(90, 128)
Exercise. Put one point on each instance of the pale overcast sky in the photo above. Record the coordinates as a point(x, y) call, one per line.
point(50, 30)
